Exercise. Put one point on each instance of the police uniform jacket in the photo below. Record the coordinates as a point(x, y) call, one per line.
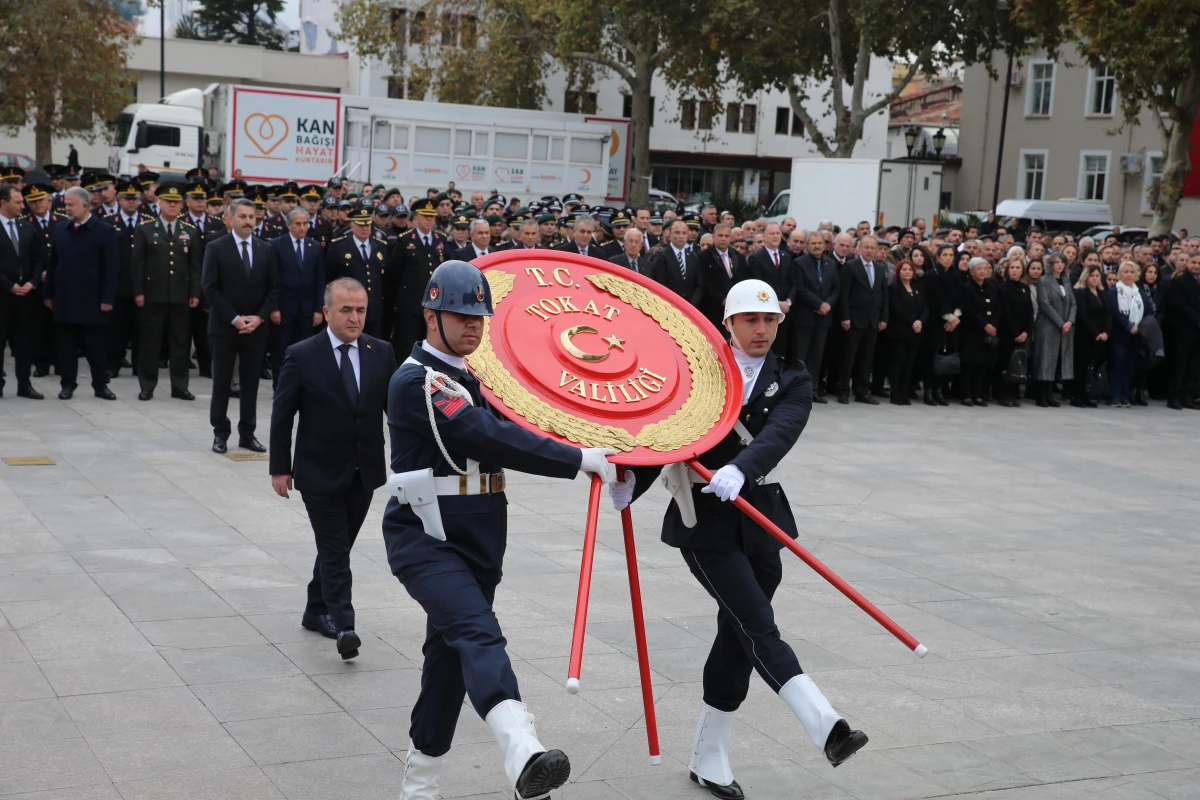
point(82, 271)
point(412, 265)
point(125, 236)
point(344, 259)
point(775, 415)
point(475, 525)
point(44, 230)
point(166, 269)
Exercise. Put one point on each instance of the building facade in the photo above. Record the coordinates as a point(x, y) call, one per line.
point(1061, 141)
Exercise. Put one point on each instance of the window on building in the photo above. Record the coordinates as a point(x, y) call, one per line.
point(749, 118)
point(1033, 174)
point(627, 108)
point(687, 114)
point(382, 136)
point(395, 88)
point(1152, 179)
point(1102, 90)
point(733, 117)
point(783, 117)
point(706, 115)
point(1041, 89)
point(579, 102)
point(1093, 175)
point(797, 126)
point(399, 22)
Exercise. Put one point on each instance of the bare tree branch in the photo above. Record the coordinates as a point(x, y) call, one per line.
point(616, 66)
point(887, 99)
point(796, 100)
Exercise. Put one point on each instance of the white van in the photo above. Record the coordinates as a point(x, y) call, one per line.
point(1055, 215)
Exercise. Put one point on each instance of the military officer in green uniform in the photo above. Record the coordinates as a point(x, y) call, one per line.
point(166, 283)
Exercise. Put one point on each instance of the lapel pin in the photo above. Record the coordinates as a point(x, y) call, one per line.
point(772, 389)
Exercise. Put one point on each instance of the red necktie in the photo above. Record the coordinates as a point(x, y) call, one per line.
point(775, 258)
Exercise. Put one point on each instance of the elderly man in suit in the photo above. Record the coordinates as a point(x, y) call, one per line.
point(863, 314)
point(20, 275)
point(773, 264)
point(240, 280)
point(582, 242)
point(678, 268)
point(817, 290)
point(81, 287)
point(721, 267)
point(479, 244)
point(632, 257)
point(301, 263)
point(338, 383)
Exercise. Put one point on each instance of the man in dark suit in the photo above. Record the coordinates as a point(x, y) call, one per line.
point(81, 287)
point(721, 267)
point(301, 263)
point(581, 241)
point(479, 244)
point(20, 275)
point(1183, 324)
point(338, 383)
point(815, 278)
point(209, 227)
point(240, 281)
point(772, 264)
point(361, 254)
point(677, 268)
point(632, 258)
point(863, 314)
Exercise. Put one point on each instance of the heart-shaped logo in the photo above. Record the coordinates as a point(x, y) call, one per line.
point(502, 174)
point(265, 131)
point(463, 170)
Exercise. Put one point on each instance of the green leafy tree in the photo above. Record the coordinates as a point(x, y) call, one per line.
point(1154, 48)
point(62, 82)
point(251, 22)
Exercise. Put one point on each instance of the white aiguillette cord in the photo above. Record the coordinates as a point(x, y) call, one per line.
point(438, 381)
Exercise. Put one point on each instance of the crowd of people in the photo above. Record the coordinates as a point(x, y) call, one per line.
point(974, 313)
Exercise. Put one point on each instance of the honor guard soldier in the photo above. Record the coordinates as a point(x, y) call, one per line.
point(417, 255)
point(166, 284)
point(123, 326)
point(361, 254)
point(735, 560)
point(445, 530)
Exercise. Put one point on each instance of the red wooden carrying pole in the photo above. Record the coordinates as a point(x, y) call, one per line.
point(822, 570)
point(585, 585)
point(639, 630)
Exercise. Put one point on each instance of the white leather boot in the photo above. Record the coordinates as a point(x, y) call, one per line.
point(824, 726)
point(532, 771)
point(420, 776)
point(710, 754)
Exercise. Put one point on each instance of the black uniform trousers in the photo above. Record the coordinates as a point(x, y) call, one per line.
point(464, 647)
point(808, 346)
point(859, 357)
point(20, 318)
point(249, 350)
point(1184, 354)
point(170, 322)
point(69, 338)
point(122, 332)
point(336, 521)
point(747, 637)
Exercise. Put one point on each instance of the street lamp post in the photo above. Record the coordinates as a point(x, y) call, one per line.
point(1002, 5)
point(162, 50)
point(910, 138)
point(939, 141)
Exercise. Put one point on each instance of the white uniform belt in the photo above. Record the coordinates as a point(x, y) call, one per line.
point(477, 483)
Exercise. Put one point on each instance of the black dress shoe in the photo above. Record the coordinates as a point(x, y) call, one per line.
point(543, 774)
point(66, 394)
point(968, 402)
point(114, 372)
point(104, 393)
point(844, 399)
point(1189, 404)
point(220, 445)
point(41, 372)
point(235, 392)
point(182, 394)
point(1050, 401)
point(941, 398)
point(125, 364)
point(1175, 404)
point(843, 742)
point(321, 623)
point(868, 399)
point(348, 644)
point(730, 792)
point(146, 394)
point(252, 444)
point(820, 399)
point(265, 375)
point(981, 403)
point(30, 393)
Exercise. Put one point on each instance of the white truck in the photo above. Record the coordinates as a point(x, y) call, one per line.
point(270, 135)
point(847, 191)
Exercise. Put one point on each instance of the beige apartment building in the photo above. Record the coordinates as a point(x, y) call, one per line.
point(1061, 141)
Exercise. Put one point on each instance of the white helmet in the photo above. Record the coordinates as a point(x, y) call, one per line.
point(751, 297)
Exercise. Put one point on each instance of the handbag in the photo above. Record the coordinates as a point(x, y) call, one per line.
point(1096, 382)
point(1018, 367)
point(946, 364)
point(991, 341)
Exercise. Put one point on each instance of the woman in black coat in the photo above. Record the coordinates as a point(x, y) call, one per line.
point(941, 335)
point(1016, 325)
point(1095, 324)
point(981, 315)
point(908, 313)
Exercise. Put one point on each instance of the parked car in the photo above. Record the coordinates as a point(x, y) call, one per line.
point(1055, 215)
point(17, 160)
point(661, 201)
point(1124, 235)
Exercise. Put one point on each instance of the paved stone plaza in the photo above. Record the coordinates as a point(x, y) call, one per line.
point(151, 591)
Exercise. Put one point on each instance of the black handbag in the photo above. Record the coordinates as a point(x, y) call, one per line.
point(946, 364)
point(991, 341)
point(1096, 382)
point(1018, 367)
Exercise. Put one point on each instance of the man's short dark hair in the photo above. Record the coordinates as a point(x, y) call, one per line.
point(6, 190)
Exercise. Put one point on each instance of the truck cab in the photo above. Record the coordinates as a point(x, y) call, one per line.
point(162, 136)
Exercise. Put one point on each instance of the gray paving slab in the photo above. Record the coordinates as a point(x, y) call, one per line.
point(150, 596)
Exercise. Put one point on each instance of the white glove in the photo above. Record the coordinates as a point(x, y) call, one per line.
point(726, 483)
point(621, 491)
point(594, 462)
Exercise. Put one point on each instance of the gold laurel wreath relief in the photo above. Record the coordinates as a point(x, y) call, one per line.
point(699, 413)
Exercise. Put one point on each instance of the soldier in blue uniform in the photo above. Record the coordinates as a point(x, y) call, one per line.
point(445, 529)
point(735, 560)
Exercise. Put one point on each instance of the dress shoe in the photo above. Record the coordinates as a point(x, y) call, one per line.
point(220, 444)
point(896, 401)
point(731, 792)
point(968, 402)
point(114, 373)
point(348, 644)
point(146, 394)
point(66, 394)
point(1050, 401)
point(941, 398)
point(1077, 403)
point(868, 399)
point(182, 394)
point(164, 363)
point(1091, 404)
point(41, 372)
point(30, 393)
point(843, 743)
point(1140, 398)
point(1016, 402)
point(235, 392)
point(251, 444)
point(1190, 404)
point(929, 401)
point(981, 402)
point(1175, 404)
point(1004, 401)
point(104, 393)
point(265, 375)
point(820, 399)
point(844, 399)
point(321, 623)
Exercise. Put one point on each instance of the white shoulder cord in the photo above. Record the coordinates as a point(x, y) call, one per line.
point(446, 385)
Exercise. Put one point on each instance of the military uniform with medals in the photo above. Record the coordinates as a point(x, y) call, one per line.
point(344, 259)
point(416, 256)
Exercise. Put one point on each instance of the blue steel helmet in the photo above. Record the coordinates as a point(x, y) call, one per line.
point(458, 287)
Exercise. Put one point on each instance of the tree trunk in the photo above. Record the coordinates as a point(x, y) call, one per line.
point(42, 143)
point(640, 100)
point(1175, 157)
